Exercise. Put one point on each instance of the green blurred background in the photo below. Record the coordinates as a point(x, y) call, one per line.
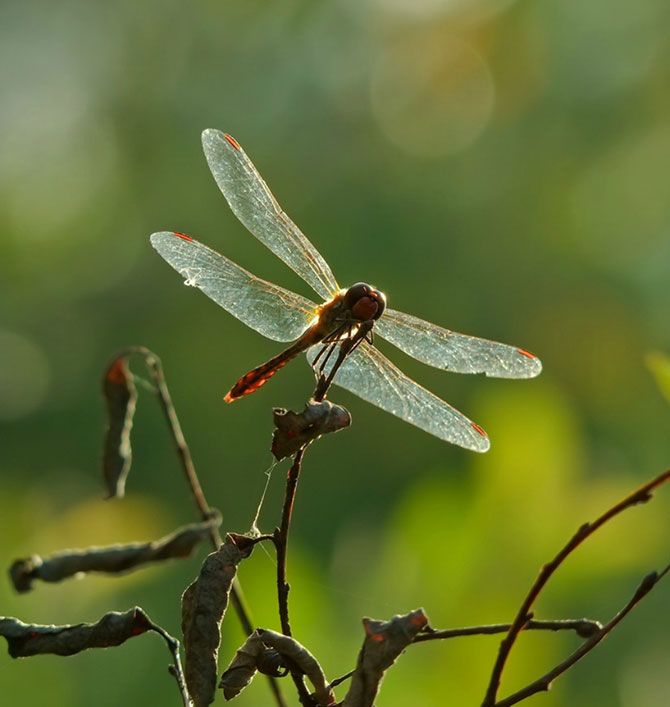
point(498, 167)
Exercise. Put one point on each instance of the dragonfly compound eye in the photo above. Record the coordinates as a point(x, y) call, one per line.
point(380, 298)
point(364, 302)
point(356, 292)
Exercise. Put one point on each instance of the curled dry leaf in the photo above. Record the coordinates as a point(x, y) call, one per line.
point(299, 659)
point(120, 397)
point(253, 657)
point(295, 429)
point(203, 606)
point(384, 642)
point(111, 630)
point(113, 559)
point(242, 668)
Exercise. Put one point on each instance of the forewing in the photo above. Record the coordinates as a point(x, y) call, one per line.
point(371, 376)
point(271, 310)
point(455, 352)
point(255, 206)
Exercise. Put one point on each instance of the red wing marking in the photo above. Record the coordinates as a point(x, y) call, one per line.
point(232, 141)
point(186, 238)
point(527, 354)
point(477, 428)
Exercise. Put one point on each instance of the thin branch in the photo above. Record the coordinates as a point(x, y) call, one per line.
point(176, 669)
point(583, 627)
point(524, 615)
point(340, 680)
point(156, 370)
point(281, 540)
point(543, 683)
point(281, 544)
point(237, 597)
point(184, 453)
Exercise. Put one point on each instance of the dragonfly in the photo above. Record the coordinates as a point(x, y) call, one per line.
point(346, 318)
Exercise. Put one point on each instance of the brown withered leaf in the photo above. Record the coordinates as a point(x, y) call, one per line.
point(111, 630)
point(203, 606)
point(254, 656)
point(242, 668)
point(113, 559)
point(294, 429)
point(121, 399)
point(300, 659)
point(384, 642)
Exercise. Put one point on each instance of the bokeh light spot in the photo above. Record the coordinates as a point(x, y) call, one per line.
point(25, 376)
point(431, 96)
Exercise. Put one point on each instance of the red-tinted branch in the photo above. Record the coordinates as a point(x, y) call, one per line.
point(524, 615)
point(281, 544)
point(281, 540)
point(543, 683)
point(583, 627)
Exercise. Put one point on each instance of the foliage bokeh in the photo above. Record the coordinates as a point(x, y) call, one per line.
point(498, 167)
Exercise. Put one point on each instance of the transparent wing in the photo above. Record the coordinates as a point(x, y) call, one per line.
point(253, 204)
point(370, 375)
point(271, 310)
point(455, 352)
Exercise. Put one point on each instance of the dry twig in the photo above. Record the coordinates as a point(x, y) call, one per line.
point(524, 615)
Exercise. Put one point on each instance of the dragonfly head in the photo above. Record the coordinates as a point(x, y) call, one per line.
point(364, 302)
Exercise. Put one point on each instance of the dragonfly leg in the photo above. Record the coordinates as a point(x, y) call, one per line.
point(345, 327)
point(324, 363)
point(346, 347)
point(335, 340)
point(318, 356)
point(331, 342)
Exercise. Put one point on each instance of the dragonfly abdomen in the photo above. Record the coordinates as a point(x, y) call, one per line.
point(252, 381)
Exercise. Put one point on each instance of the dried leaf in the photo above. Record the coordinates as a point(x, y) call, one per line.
point(242, 668)
point(384, 642)
point(113, 559)
point(203, 606)
point(297, 656)
point(294, 429)
point(121, 397)
point(254, 656)
point(111, 630)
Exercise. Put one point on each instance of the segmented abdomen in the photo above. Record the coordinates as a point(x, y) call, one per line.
point(252, 381)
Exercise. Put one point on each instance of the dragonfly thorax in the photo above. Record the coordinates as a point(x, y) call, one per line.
point(364, 302)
